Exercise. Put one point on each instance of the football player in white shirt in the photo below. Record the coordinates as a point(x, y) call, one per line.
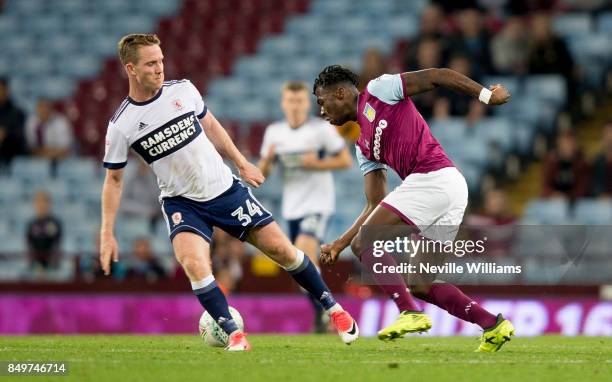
point(170, 127)
point(306, 149)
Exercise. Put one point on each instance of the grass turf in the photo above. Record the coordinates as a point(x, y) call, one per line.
point(313, 358)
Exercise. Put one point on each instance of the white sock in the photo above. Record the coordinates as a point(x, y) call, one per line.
point(299, 259)
point(206, 281)
point(336, 308)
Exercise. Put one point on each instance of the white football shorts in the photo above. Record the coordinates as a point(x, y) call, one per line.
point(434, 202)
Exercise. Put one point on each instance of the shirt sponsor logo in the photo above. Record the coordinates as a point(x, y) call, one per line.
point(168, 138)
point(382, 124)
point(369, 112)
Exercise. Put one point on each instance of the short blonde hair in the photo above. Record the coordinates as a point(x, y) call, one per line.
point(294, 86)
point(128, 46)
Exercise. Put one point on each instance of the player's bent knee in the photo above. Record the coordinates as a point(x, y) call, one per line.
point(420, 291)
point(283, 255)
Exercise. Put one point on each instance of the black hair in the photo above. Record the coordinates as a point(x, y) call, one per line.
point(334, 74)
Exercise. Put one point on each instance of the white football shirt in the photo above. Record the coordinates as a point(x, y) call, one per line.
point(304, 191)
point(165, 131)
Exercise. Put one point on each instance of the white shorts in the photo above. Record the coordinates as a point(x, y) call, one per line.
point(434, 202)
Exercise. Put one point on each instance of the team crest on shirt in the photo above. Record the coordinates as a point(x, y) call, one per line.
point(177, 218)
point(369, 112)
point(177, 105)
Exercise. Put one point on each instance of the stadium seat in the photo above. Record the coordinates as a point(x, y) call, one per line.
point(55, 87)
point(8, 25)
point(10, 189)
point(550, 88)
point(305, 25)
point(58, 190)
point(29, 169)
point(599, 241)
point(72, 213)
point(573, 24)
point(548, 211)
point(496, 130)
point(326, 8)
point(594, 212)
point(13, 269)
point(78, 170)
point(402, 26)
point(79, 67)
point(604, 22)
point(472, 174)
point(26, 7)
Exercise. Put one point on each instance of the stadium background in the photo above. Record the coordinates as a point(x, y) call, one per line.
point(545, 158)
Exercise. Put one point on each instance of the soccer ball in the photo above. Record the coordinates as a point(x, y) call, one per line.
point(211, 332)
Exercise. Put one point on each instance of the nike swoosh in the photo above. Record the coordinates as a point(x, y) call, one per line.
point(353, 329)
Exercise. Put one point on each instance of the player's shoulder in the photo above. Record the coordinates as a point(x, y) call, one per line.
point(182, 82)
point(318, 123)
point(383, 81)
point(387, 88)
point(277, 126)
point(119, 112)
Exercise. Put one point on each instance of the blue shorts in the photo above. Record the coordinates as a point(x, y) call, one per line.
point(312, 225)
point(235, 211)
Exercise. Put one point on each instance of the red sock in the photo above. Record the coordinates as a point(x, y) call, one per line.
point(392, 284)
point(451, 299)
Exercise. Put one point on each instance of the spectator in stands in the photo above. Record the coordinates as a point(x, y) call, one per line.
point(473, 40)
point(141, 193)
point(44, 234)
point(48, 132)
point(431, 27)
point(602, 167)
point(450, 103)
point(145, 265)
point(509, 48)
point(548, 53)
point(12, 120)
point(495, 210)
point(373, 65)
point(495, 222)
point(429, 55)
point(566, 173)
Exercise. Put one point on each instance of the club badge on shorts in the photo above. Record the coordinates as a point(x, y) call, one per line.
point(177, 218)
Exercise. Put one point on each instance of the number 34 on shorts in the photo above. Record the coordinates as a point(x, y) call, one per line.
point(235, 211)
point(252, 210)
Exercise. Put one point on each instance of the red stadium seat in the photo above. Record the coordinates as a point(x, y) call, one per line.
point(201, 42)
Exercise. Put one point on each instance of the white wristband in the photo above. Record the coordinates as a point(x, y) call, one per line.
point(485, 95)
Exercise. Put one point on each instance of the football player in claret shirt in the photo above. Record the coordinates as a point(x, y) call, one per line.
point(432, 197)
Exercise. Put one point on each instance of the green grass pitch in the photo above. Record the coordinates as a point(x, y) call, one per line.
point(313, 358)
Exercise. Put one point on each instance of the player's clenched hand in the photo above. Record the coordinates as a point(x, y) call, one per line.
point(330, 253)
point(108, 251)
point(251, 174)
point(309, 160)
point(500, 94)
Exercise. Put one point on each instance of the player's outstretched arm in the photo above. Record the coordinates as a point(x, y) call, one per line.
point(224, 145)
point(375, 185)
point(111, 197)
point(339, 161)
point(428, 79)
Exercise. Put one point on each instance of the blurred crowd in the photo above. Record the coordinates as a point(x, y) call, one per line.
point(458, 35)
